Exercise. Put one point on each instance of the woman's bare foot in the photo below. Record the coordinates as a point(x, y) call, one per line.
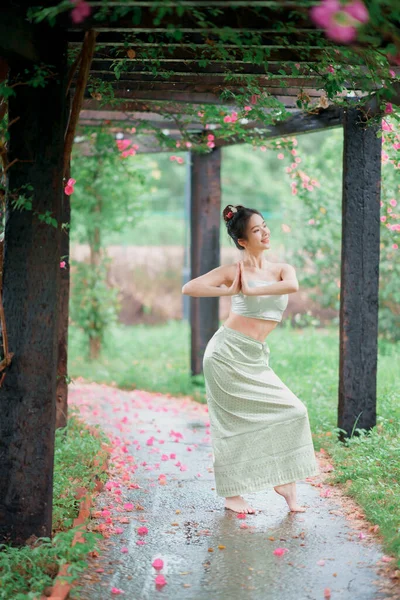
point(238, 504)
point(288, 491)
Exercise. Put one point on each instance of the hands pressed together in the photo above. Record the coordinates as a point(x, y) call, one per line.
point(239, 284)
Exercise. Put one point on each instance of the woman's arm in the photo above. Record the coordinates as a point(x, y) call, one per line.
point(207, 285)
point(288, 285)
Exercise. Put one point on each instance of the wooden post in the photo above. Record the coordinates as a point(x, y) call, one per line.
point(31, 281)
point(359, 274)
point(204, 248)
point(63, 316)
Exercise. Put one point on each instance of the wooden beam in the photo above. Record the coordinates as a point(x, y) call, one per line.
point(359, 274)
point(301, 122)
point(204, 248)
point(186, 95)
point(31, 286)
point(196, 52)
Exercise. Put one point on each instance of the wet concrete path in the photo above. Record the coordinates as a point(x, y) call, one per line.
point(162, 480)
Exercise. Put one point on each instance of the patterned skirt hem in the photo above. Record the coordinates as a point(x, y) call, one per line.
point(261, 483)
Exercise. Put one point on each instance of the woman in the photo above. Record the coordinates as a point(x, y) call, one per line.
point(260, 430)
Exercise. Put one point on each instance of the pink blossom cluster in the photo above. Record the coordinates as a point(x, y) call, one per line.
point(232, 118)
point(210, 140)
point(340, 21)
point(69, 188)
point(178, 159)
point(123, 147)
point(81, 10)
point(187, 144)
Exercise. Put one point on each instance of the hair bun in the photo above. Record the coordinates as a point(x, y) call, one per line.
point(230, 211)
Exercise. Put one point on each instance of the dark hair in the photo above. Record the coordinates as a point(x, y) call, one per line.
point(236, 224)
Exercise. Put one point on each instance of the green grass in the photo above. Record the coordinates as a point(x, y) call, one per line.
point(157, 358)
point(25, 572)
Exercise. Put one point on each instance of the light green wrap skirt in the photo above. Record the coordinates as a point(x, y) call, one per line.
point(260, 432)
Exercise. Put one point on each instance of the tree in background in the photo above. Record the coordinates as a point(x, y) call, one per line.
point(108, 192)
point(314, 224)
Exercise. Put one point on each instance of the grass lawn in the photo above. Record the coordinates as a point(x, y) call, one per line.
point(156, 358)
point(28, 571)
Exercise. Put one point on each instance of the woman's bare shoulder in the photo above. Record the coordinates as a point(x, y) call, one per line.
point(287, 271)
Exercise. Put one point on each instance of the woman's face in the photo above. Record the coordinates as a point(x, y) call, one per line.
point(257, 234)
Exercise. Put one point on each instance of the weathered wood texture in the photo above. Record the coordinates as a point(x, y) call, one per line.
point(204, 248)
point(31, 286)
point(359, 274)
point(63, 317)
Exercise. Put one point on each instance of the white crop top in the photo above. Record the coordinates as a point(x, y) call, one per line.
point(268, 307)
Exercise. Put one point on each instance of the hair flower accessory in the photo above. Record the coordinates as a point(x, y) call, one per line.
point(231, 212)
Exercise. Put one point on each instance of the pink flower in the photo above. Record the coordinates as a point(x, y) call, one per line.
point(124, 549)
point(210, 137)
point(247, 108)
point(210, 144)
point(116, 591)
point(263, 148)
point(392, 73)
point(396, 146)
point(254, 99)
point(81, 11)
point(280, 551)
point(160, 580)
point(383, 218)
point(388, 108)
point(179, 160)
point(69, 189)
point(62, 264)
point(331, 69)
point(123, 144)
point(311, 221)
point(200, 114)
point(142, 530)
point(157, 563)
point(394, 246)
point(340, 21)
point(281, 156)
point(188, 144)
point(172, 157)
point(392, 201)
point(227, 119)
point(178, 144)
point(129, 152)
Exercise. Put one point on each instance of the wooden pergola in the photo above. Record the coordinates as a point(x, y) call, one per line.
point(36, 293)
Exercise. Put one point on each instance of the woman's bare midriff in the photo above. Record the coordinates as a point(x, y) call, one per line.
point(259, 329)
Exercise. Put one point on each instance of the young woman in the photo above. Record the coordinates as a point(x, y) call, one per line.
point(260, 431)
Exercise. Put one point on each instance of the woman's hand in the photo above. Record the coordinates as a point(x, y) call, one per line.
point(236, 283)
point(246, 289)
